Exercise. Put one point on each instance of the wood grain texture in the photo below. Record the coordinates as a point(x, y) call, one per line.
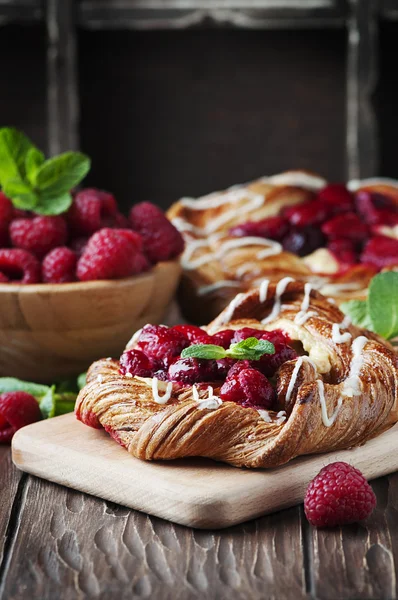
point(10, 478)
point(185, 491)
point(74, 546)
point(49, 332)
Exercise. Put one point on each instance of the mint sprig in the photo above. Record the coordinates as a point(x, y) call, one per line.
point(34, 183)
point(249, 349)
point(379, 312)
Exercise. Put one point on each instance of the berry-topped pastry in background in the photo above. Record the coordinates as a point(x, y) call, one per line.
point(295, 223)
point(281, 372)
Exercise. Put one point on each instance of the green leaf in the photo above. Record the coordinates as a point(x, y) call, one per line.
point(206, 351)
point(82, 380)
point(250, 349)
point(14, 146)
point(10, 384)
point(64, 403)
point(60, 174)
point(383, 304)
point(47, 404)
point(33, 161)
point(20, 193)
point(358, 312)
point(53, 205)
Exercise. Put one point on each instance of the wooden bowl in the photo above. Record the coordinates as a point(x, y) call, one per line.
point(50, 332)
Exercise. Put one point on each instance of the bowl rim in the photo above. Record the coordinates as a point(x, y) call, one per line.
point(76, 286)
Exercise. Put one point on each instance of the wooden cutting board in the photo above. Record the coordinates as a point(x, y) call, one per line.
point(195, 492)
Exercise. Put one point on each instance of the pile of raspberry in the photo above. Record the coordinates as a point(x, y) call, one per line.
point(158, 354)
point(356, 228)
point(92, 241)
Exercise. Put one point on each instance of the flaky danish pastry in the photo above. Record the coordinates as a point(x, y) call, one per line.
point(334, 236)
point(278, 374)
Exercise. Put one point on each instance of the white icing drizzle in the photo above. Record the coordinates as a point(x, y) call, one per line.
point(208, 289)
point(355, 184)
point(248, 241)
point(255, 202)
point(183, 225)
point(263, 290)
point(352, 385)
point(264, 414)
point(295, 373)
point(302, 316)
point(100, 379)
point(155, 392)
point(187, 262)
point(280, 289)
point(231, 307)
point(335, 288)
point(327, 421)
point(274, 248)
point(297, 179)
point(247, 268)
point(337, 336)
point(280, 417)
point(211, 402)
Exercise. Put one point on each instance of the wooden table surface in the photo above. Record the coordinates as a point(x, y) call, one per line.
point(59, 544)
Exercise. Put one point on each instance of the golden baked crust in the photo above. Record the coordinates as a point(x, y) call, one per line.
point(339, 395)
point(216, 266)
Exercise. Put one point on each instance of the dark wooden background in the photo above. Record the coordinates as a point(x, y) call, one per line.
point(169, 100)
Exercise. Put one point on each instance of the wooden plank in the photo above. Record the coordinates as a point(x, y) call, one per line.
point(62, 94)
point(71, 545)
point(185, 491)
point(362, 139)
point(11, 486)
point(359, 561)
point(180, 14)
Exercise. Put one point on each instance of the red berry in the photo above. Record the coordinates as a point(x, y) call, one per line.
point(222, 338)
point(308, 213)
point(274, 228)
point(270, 363)
point(3, 278)
point(194, 334)
point(136, 362)
point(78, 245)
point(161, 342)
point(344, 251)
point(338, 495)
point(19, 266)
point(17, 409)
point(59, 266)
point(117, 221)
point(162, 241)
point(224, 365)
point(90, 210)
point(109, 254)
point(303, 241)
point(38, 235)
point(380, 252)
point(6, 214)
point(141, 263)
point(249, 388)
point(337, 196)
point(347, 225)
point(192, 370)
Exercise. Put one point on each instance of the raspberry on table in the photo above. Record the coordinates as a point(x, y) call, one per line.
point(338, 495)
point(162, 241)
point(109, 254)
point(19, 266)
point(38, 235)
point(17, 409)
point(90, 211)
point(59, 266)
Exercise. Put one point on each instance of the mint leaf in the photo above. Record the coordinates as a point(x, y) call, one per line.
point(53, 205)
point(383, 304)
point(14, 146)
point(250, 349)
point(64, 403)
point(207, 351)
point(47, 404)
point(358, 312)
point(11, 384)
point(82, 380)
point(60, 174)
point(33, 161)
point(20, 193)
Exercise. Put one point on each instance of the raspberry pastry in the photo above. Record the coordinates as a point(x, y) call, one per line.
point(333, 236)
point(278, 374)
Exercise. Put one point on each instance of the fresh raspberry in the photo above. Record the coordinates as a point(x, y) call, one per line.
point(344, 251)
point(338, 495)
point(38, 235)
point(274, 228)
point(19, 266)
point(59, 266)
point(337, 196)
point(276, 336)
point(3, 278)
point(18, 213)
point(109, 254)
point(247, 387)
point(141, 263)
point(162, 241)
point(135, 362)
point(270, 363)
point(194, 334)
point(223, 338)
point(78, 245)
point(161, 342)
point(90, 210)
point(6, 212)
point(17, 409)
point(308, 213)
point(192, 370)
point(347, 225)
point(380, 252)
point(224, 365)
point(117, 221)
point(304, 240)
